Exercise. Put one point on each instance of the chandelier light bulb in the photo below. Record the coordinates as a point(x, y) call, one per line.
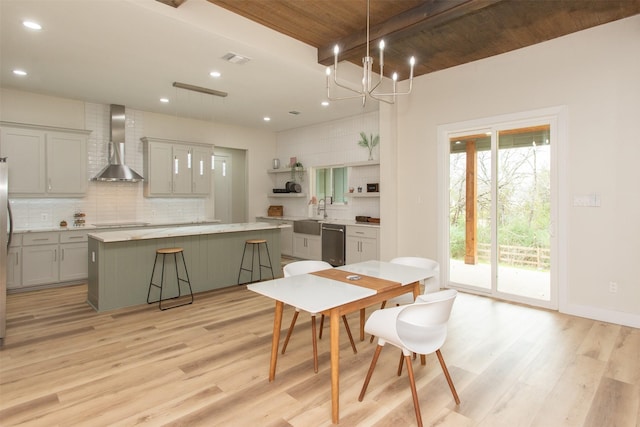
point(336, 50)
point(381, 44)
point(395, 77)
point(328, 71)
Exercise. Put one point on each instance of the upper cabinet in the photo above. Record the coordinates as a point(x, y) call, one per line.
point(45, 161)
point(175, 169)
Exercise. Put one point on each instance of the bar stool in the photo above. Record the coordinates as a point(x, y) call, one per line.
point(255, 244)
point(164, 252)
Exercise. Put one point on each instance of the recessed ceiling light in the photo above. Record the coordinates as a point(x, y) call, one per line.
point(325, 103)
point(32, 25)
point(164, 100)
point(267, 119)
point(19, 72)
point(215, 74)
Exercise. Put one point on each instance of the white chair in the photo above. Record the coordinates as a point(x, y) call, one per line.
point(421, 328)
point(431, 284)
point(303, 267)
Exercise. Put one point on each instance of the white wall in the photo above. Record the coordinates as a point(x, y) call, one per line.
point(596, 75)
point(125, 202)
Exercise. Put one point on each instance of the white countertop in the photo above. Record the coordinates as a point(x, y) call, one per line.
point(326, 221)
point(124, 235)
point(111, 226)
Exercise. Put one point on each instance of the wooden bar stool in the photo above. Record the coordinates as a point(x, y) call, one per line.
point(179, 280)
point(255, 244)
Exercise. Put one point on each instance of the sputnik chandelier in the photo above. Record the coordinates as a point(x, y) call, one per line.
point(368, 87)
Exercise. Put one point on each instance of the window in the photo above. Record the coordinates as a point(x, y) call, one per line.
point(331, 182)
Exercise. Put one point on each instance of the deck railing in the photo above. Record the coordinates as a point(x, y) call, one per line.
point(538, 258)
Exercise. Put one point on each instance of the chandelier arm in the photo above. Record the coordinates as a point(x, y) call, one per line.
point(395, 93)
point(372, 96)
point(337, 83)
point(342, 98)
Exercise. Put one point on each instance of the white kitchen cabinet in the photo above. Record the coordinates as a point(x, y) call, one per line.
point(361, 244)
point(40, 264)
point(307, 246)
point(73, 261)
point(73, 255)
point(44, 161)
point(47, 258)
point(201, 170)
point(182, 170)
point(25, 152)
point(66, 163)
point(174, 169)
point(158, 169)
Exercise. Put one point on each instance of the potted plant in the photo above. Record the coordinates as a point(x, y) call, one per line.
point(297, 167)
point(369, 142)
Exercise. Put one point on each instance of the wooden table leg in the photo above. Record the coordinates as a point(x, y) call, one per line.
point(362, 314)
point(277, 324)
point(335, 366)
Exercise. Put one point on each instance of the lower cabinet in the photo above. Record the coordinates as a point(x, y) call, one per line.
point(307, 246)
point(40, 265)
point(14, 269)
point(73, 261)
point(47, 258)
point(361, 244)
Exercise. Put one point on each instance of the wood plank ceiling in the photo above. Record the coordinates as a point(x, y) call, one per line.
point(439, 33)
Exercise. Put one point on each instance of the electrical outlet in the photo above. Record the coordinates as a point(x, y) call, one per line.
point(44, 217)
point(613, 287)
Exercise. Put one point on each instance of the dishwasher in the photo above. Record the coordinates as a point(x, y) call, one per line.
point(333, 244)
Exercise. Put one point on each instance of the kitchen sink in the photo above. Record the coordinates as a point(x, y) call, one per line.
point(307, 226)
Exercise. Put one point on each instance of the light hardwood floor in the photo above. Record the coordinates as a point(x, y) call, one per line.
point(206, 364)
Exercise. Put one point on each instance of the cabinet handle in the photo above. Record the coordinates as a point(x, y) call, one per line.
point(41, 239)
point(62, 259)
point(17, 259)
point(49, 183)
point(76, 237)
point(55, 254)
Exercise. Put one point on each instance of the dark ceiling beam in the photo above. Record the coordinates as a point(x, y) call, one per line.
point(424, 17)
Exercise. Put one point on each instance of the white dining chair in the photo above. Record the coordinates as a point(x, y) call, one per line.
point(420, 328)
point(431, 284)
point(304, 267)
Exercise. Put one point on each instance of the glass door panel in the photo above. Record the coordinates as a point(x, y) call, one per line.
point(523, 212)
point(470, 211)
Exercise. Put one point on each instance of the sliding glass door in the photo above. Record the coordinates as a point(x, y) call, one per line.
point(500, 187)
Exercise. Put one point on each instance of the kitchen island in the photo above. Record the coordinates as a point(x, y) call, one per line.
point(120, 262)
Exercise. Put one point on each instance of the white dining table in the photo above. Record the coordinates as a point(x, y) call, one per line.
point(336, 296)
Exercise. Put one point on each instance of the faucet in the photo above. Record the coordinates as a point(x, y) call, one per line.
point(323, 208)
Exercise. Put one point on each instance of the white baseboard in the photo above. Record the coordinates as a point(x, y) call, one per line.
point(610, 316)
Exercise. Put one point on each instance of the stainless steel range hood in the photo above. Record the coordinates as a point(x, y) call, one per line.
point(116, 170)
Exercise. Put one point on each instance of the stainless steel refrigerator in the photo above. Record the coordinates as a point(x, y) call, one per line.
point(6, 229)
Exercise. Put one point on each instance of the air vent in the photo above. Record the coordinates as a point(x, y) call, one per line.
point(234, 58)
